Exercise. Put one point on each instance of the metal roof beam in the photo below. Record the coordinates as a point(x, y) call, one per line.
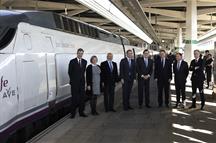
point(170, 13)
point(92, 20)
point(155, 3)
point(42, 5)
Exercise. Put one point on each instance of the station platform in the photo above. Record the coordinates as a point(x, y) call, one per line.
point(154, 125)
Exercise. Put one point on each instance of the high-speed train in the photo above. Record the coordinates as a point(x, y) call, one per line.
point(35, 50)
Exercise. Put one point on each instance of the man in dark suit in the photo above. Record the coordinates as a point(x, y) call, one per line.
point(128, 75)
point(109, 76)
point(180, 69)
point(163, 76)
point(76, 71)
point(197, 78)
point(144, 66)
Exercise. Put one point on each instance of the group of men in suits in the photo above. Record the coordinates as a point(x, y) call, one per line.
point(143, 67)
point(163, 75)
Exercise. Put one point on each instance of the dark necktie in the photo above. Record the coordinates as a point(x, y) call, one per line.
point(80, 64)
point(110, 66)
point(162, 63)
point(178, 65)
point(129, 63)
point(146, 62)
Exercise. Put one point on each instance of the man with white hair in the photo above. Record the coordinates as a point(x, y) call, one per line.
point(197, 78)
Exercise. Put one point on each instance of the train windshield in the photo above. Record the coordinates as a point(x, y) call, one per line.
point(8, 23)
point(6, 35)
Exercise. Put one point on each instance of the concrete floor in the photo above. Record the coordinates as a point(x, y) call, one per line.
point(155, 125)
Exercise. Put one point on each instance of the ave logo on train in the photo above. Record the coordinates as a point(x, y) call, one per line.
point(5, 90)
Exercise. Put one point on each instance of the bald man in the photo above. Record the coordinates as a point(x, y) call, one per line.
point(109, 76)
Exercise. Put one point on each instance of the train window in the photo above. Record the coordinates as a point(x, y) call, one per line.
point(6, 36)
point(57, 19)
point(76, 26)
point(66, 24)
point(82, 28)
point(27, 41)
point(71, 24)
point(96, 33)
point(88, 31)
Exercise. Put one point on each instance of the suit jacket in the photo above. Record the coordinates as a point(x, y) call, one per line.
point(182, 73)
point(108, 76)
point(77, 73)
point(197, 74)
point(142, 69)
point(208, 63)
point(127, 73)
point(163, 73)
point(89, 77)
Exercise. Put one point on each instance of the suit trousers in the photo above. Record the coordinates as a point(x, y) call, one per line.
point(127, 88)
point(197, 84)
point(163, 85)
point(77, 100)
point(143, 87)
point(109, 92)
point(180, 90)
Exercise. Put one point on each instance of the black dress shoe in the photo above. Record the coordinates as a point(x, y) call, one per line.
point(83, 115)
point(113, 110)
point(159, 106)
point(95, 113)
point(177, 105)
point(140, 106)
point(130, 108)
point(147, 106)
point(192, 107)
point(125, 109)
point(167, 106)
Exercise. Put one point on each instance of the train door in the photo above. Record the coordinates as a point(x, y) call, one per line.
point(51, 68)
point(31, 71)
point(63, 86)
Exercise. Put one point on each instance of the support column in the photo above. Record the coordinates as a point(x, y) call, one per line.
point(176, 43)
point(179, 37)
point(191, 30)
